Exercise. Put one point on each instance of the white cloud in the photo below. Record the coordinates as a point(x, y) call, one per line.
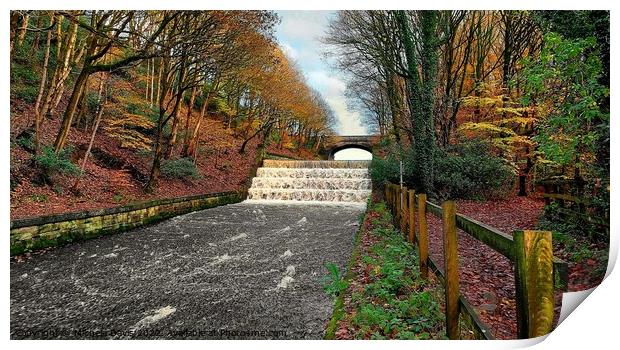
point(299, 36)
point(303, 25)
point(289, 51)
point(333, 88)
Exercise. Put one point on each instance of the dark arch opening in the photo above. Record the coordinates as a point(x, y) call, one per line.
point(332, 153)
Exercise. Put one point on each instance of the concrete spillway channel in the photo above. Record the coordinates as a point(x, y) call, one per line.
point(251, 270)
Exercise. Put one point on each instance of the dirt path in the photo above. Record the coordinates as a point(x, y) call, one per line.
point(487, 277)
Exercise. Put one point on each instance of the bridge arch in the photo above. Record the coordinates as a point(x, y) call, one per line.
point(332, 153)
point(335, 143)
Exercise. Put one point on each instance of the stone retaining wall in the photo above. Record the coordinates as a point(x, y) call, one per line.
point(53, 230)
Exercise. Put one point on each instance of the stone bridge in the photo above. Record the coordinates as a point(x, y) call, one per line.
point(336, 143)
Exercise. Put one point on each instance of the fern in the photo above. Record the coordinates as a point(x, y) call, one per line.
point(334, 284)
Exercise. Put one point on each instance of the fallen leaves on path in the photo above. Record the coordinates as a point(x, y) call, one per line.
point(487, 277)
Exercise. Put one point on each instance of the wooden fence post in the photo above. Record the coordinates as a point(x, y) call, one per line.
point(394, 201)
point(423, 235)
point(534, 282)
point(451, 263)
point(412, 216)
point(386, 190)
point(403, 214)
point(398, 205)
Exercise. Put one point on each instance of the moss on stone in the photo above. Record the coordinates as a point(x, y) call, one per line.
point(49, 232)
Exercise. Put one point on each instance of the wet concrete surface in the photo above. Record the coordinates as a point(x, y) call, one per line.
point(241, 271)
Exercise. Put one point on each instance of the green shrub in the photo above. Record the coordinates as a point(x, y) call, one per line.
point(39, 198)
point(219, 105)
point(396, 303)
point(27, 142)
point(26, 93)
point(118, 198)
point(58, 189)
point(144, 153)
point(179, 168)
point(274, 137)
point(52, 163)
point(469, 170)
point(92, 101)
point(385, 170)
point(24, 74)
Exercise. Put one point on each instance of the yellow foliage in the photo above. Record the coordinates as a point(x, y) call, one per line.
point(518, 111)
point(474, 101)
point(485, 129)
point(122, 129)
point(520, 121)
point(288, 145)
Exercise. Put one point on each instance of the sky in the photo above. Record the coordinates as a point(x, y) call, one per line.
point(299, 36)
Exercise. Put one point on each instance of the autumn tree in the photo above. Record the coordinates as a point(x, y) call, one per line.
point(367, 46)
point(188, 64)
point(105, 28)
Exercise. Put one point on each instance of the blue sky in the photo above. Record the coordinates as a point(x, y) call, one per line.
point(299, 36)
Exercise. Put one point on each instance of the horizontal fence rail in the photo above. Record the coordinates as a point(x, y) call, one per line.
point(500, 242)
point(537, 271)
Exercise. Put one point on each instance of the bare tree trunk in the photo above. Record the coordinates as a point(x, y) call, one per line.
point(61, 72)
point(175, 113)
point(188, 116)
point(189, 149)
point(37, 38)
point(61, 88)
point(22, 30)
point(99, 95)
point(37, 109)
point(81, 108)
point(90, 143)
point(146, 85)
point(158, 151)
point(63, 133)
point(152, 82)
point(158, 154)
point(158, 82)
point(15, 18)
point(172, 140)
point(59, 20)
point(55, 77)
point(266, 126)
point(156, 168)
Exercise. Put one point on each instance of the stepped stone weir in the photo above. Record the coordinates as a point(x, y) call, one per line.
point(332, 164)
point(316, 180)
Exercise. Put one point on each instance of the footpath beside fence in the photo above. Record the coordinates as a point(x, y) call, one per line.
point(537, 272)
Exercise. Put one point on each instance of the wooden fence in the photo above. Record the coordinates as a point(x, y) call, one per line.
point(537, 271)
point(572, 201)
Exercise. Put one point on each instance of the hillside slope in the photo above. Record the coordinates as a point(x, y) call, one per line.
point(114, 175)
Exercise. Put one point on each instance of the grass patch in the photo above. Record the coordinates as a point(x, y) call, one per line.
point(179, 168)
point(39, 198)
point(338, 314)
point(53, 163)
point(383, 296)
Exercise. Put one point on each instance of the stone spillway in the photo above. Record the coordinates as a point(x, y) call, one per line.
point(302, 181)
